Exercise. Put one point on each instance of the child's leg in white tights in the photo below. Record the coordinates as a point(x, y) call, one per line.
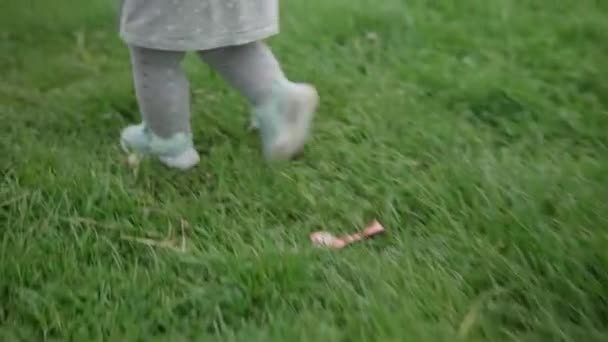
point(282, 110)
point(162, 89)
point(163, 95)
point(251, 69)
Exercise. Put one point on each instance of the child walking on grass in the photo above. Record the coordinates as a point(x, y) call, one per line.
point(227, 35)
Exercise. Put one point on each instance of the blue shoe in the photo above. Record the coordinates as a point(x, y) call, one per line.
point(285, 120)
point(176, 152)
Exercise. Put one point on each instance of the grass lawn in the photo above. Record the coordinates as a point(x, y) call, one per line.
point(476, 131)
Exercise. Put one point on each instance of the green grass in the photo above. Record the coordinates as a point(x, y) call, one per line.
point(476, 131)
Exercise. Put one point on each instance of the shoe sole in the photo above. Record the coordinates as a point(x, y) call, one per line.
point(183, 162)
point(172, 162)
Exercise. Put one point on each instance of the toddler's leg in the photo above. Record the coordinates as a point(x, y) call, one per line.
point(163, 95)
point(252, 69)
point(162, 89)
point(283, 110)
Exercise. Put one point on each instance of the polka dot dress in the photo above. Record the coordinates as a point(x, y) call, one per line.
point(188, 25)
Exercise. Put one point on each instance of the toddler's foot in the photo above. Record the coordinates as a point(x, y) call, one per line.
point(285, 120)
point(176, 152)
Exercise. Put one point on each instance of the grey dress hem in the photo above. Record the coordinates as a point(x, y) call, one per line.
point(187, 25)
point(232, 39)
